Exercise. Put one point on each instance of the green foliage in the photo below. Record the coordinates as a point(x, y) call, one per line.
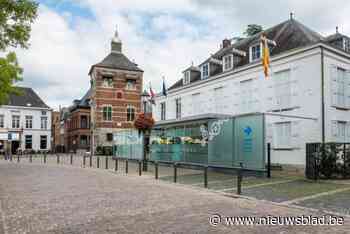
point(10, 72)
point(252, 29)
point(16, 17)
point(328, 160)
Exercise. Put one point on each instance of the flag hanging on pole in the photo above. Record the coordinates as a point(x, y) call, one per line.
point(164, 91)
point(152, 94)
point(265, 55)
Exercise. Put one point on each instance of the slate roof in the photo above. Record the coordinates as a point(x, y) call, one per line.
point(83, 102)
point(28, 98)
point(117, 61)
point(288, 35)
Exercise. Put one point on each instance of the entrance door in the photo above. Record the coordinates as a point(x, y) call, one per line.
point(14, 146)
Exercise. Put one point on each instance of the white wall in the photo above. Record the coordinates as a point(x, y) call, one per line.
point(306, 100)
point(36, 131)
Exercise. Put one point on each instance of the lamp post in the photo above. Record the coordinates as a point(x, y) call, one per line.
point(147, 110)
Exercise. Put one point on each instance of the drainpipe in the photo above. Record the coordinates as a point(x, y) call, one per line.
point(322, 95)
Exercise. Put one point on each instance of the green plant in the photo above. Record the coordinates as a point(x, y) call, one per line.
point(328, 160)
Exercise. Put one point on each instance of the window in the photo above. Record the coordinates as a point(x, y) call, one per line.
point(130, 113)
point(119, 95)
point(246, 95)
point(341, 127)
point(29, 121)
point(341, 87)
point(28, 141)
point(43, 122)
point(228, 62)
point(107, 81)
point(255, 52)
point(346, 43)
point(43, 113)
point(2, 121)
point(162, 111)
point(83, 121)
point(15, 121)
point(43, 142)
point(283, 90)
point(283, 135)
point(205, 71)
point(107, 113)
point(130, 84)
point(187, 77)
point(178, 107)
point(109, 137)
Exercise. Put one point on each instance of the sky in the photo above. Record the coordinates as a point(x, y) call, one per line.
point(162, 37)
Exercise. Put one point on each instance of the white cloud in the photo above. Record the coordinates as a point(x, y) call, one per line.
point(163, 37)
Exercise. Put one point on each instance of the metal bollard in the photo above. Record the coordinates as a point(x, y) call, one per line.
point(106, 162)
point(90, 161)
point(18, 158)
point(58, 159)
point(44, 158)
point(71, 159)
point(126, 166)
point(175, 173)
point(30, 158)
point(11, 158)
point(98, 161)
point(268, 160)
point(239, 180)
point(140, 168)
point(206, 177)
point(116, 164)
point(84, 161)
point(156, 170)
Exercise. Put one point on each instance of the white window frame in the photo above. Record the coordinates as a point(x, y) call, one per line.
point(227, 62)
point(251, 59)
point(16, 121)
point(2, 121)
point(43, 122)
point(29, 121)
point(106, 83)
point(162, 111)
point(187, 77)
point(107, 119)
point(132, 113)
point(178, 108)
point(129, 86)
point(205, 76)
point(283, 100)
point(284, 140)
point(46, 141)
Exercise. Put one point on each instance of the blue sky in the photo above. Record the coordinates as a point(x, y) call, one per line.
point(163, 37)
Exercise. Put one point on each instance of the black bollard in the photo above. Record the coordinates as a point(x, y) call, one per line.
point(44, 158)
point(98, 161)
point(58, 159)
point(30, 158)
point(90, 161)
point(205, 177)
point(156, 170)
point(84, 160)
point(140, 168)
point(106, 162)
point(126, 166)
point(71, 159)
point(239, 180)
point(116, 164)
point(175, 173)
point(10, 157)
point(18, 158)
point(268, 160)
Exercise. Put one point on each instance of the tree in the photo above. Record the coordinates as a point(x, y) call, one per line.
point(16, 17)
point(253, 29)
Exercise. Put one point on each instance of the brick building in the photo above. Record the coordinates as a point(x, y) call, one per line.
point(77, 125)
point(116, 87)
point(55, 130)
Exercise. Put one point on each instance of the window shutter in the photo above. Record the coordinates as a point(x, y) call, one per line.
point(334, 85)
point(294, 86)
point(295, 133)
point(347, 89)
point(334, 130)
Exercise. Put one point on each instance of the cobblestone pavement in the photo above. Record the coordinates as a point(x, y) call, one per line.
point(62, 199)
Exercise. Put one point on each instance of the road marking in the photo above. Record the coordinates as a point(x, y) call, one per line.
point(315, 196)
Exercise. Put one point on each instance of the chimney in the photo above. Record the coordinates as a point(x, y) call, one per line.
point(116, 43)
point(226, 43)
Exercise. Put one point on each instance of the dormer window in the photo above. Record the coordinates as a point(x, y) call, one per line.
point(187, 77)
point(255, 52)
point(205, 71)
point(228, 62)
